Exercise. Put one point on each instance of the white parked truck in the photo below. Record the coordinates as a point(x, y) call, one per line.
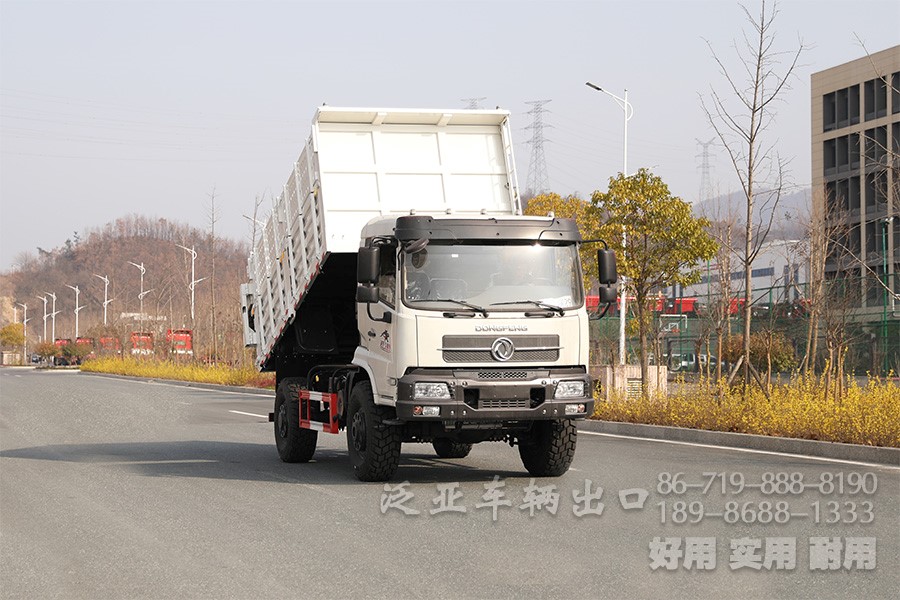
point(399, 294)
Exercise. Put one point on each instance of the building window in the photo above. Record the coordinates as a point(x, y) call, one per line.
point(829, 156)
point(829, 116)
point(876, 99)
point(876, 147)
point(895, 93)
point(876, 192)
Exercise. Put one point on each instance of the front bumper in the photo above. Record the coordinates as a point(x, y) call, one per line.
point(494, 395)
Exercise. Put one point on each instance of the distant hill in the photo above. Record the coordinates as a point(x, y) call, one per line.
point(791, 212)
point(107, 251)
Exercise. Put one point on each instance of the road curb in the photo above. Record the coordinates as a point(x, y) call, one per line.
point(854, 452)
point(189, 384)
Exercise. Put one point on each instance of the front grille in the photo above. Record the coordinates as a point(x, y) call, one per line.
point(505, 403)
point(503, 375)
point(529, 348)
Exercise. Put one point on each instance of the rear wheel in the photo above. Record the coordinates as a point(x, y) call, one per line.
point(374, 447)
point(446, 448)
point(549, 449)
point(294, 443)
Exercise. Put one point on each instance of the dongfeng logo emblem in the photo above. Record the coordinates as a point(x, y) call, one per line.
point(502, 349)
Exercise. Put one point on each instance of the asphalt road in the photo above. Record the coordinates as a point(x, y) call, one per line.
point(121, 489)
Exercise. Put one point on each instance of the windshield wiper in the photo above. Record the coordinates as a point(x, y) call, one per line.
point(537, 303)
point(474, 307)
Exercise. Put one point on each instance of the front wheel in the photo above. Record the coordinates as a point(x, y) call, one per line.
point(294, 443)
point(374, 447)
point(549, 449)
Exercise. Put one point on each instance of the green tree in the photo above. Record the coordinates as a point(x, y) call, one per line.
point(664, 245)
point(13, 335)
point(572, 207)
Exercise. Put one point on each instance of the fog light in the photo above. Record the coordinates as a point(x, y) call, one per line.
point(435, 391)
point(574, 409)
point(431, 411)
point(570, 389)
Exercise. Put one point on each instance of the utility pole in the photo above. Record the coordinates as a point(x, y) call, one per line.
point(473, 103)
point(24, 330)
point(106, 300)
point(194, 281)
point(705, 183)
point(538, 179)
point(77, 307)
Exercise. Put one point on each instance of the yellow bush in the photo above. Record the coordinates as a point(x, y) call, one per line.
point(180, 371)
point(867, 415)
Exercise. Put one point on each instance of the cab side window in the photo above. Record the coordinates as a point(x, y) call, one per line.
point(387, 275)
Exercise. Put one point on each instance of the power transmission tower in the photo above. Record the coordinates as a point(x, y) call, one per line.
point(705, 168)
point(538, 180)
point(473, 103)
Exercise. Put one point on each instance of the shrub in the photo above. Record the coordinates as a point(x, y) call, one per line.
point(868, 415)
point(181, 371)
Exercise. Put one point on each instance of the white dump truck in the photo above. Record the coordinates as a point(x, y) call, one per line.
point(399, 294)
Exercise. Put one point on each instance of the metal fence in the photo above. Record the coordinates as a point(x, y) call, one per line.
point(859, 316)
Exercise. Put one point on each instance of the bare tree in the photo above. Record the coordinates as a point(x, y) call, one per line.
point(213, 218)
point(755, 87)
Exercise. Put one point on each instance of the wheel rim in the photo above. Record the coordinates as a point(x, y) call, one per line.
point(282, 423)
point(358, 431)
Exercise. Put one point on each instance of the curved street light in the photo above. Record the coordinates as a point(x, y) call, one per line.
point(628, 110)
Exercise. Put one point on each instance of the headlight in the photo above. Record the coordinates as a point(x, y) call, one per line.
point(431, 391)
point(570, 389)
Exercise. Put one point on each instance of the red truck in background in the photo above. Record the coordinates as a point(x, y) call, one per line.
point(180, 341)
point(141, 343)
point(110, 345)
point(61, 359)
point(83, 343)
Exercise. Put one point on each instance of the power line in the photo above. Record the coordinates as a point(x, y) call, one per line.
point(538, 179)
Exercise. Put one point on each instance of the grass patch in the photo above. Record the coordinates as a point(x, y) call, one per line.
point(868, 415)
point(181, 371)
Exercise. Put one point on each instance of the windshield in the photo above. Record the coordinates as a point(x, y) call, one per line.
point(498, 277)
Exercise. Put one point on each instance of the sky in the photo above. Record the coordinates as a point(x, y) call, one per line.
point(114, 108)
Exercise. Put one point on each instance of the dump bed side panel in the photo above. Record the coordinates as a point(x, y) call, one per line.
point(359, 164)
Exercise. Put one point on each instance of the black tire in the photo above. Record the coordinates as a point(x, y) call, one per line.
point(446, 448)
point(550, 448)
point(295, 444)
point(374, 447)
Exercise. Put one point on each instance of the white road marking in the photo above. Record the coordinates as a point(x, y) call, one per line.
point(238, 412)
point(750, 450)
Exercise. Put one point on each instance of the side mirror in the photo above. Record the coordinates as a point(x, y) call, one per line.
point(367, 294)
point(367, 265)
point(606, 267)
point(607, 294)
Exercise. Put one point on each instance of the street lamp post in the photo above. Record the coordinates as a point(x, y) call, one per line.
point(628, 111)
point(77, 307)
point(885, 226)
point(194, 281)
point(46, 314)
point(24, 329)
point(53, 316)
point(106, 299)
